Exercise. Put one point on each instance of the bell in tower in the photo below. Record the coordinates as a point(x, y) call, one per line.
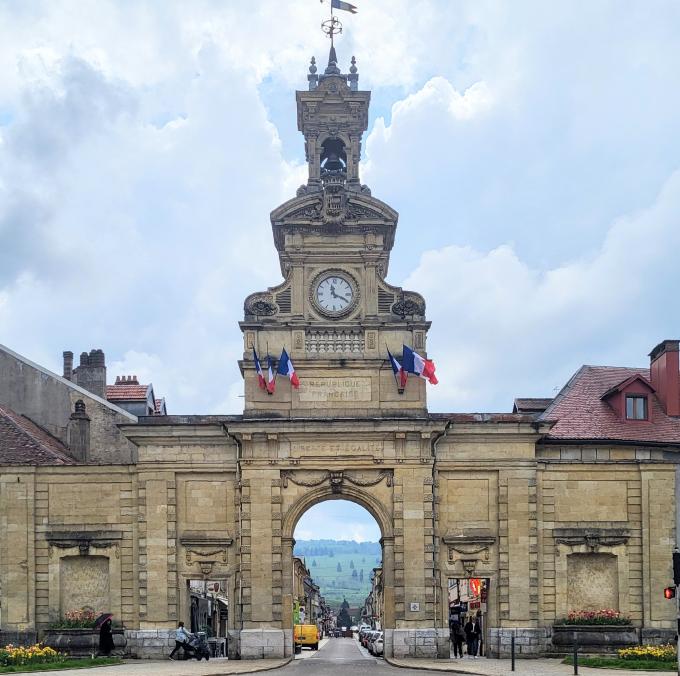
point(332, 116)
point(333, 157)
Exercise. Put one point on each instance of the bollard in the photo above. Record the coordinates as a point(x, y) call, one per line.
point(575, 658)
point(512, 653)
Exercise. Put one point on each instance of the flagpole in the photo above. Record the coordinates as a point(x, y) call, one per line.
point(269, 392)
point(400, 389)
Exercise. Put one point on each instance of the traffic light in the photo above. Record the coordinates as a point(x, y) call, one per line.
point(669, 593)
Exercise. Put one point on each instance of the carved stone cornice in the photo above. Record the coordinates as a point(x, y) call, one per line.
point(204, 546)
point(335, 479)
point(593, 538)
point(84, 540)
point(468, 545)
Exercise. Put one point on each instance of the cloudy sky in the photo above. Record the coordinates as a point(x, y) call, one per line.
point(337, 520)
point(532, 150)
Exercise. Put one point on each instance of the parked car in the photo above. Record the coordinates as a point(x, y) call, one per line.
point(372, 639)
point(379, 645)
point(364, 639)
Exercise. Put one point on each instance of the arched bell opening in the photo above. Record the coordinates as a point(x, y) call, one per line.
point(333, 157)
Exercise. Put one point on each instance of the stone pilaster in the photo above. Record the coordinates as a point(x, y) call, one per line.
point(261, 635)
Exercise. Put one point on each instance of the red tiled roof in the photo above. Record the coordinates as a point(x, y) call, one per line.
point(580, 412)
point(22, 442)
point(125, 392)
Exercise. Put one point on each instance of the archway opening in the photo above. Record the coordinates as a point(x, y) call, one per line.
point(338, 568)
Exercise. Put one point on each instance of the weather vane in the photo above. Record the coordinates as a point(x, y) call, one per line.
point(333, 26)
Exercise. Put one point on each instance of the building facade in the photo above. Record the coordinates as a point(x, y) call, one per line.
point(565, 504)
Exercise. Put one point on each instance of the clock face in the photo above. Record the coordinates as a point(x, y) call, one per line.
point(334, 294)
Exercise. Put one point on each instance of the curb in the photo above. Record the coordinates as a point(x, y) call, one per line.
point(429, 667)
point(255, 668)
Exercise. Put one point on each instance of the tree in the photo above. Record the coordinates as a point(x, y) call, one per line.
point(313, 563)
point(344, 620)
point(339, 567)
point(351, 564)
point(354, 573)
point(361, 575)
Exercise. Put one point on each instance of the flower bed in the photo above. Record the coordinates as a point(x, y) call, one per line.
point(589, 617)
point(655, 653)
point(83, 618)
point(35, 654)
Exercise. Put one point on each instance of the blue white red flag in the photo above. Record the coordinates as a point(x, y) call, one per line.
point(260, 376)
point(271, 375)
point(399, 374)
point(286, 368)
point(340, 4)
point(414, 363)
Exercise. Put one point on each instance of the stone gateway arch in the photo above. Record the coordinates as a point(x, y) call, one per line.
point(549, 511)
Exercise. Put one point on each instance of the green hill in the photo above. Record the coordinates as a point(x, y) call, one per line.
point(341, 568)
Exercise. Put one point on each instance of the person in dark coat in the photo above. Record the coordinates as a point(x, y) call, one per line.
point(478, 635)
point(457, 636)
point(470, 637)
point(106, 638)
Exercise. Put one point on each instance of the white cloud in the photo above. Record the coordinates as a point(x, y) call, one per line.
point(495, 317)
point(143, 146)
point(337, 520)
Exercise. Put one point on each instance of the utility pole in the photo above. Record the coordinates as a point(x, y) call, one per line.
point(676, 582)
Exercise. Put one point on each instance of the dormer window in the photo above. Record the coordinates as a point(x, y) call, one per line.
point(636, 407)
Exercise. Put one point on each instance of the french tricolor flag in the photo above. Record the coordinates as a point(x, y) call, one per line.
point(271, 376)
point(399, 374)
point(260, 376)
point(414, 363)
point(286, 368)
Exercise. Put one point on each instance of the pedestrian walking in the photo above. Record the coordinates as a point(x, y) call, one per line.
point(105, 634)
point(469, 629)
point(477, 635)
point(457, 636)
point(181, 640)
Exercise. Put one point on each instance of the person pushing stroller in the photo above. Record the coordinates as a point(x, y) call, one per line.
point(182, 637)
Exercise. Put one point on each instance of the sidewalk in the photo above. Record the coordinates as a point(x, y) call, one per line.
point(488, 667)
point(215, 667)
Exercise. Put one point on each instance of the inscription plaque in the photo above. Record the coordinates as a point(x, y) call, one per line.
point(335, 389)
point(336, 448)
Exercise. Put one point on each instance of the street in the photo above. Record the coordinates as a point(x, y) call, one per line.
point(340, 656)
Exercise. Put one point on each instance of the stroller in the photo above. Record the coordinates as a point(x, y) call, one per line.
point(197, 646)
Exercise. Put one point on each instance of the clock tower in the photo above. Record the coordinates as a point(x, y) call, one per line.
point(334, 313)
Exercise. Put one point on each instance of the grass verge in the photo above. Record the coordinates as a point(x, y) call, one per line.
point(618, 663)
point(58, 666)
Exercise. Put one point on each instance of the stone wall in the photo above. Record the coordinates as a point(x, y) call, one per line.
point(542, 533)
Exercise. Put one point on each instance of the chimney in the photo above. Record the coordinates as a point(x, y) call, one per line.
point(79, 432)
point(91, 373)
point(68, 365)
point(664, 370)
